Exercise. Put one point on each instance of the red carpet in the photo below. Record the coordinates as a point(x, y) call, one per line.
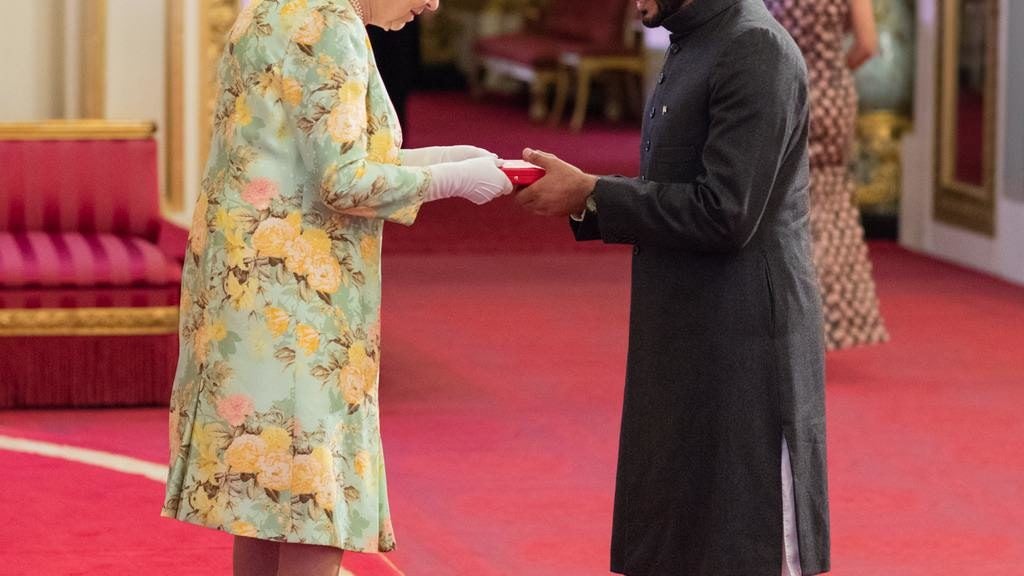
point(501, 394)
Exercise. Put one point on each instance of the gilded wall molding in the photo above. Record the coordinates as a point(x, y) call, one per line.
point(93, 70)
point(77, 130)
point(967, 205)
point(175, 102)
point(89, 321)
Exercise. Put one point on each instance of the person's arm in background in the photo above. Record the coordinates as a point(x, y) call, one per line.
point(865, 34)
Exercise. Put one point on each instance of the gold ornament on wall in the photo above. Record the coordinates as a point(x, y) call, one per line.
point(880, 172)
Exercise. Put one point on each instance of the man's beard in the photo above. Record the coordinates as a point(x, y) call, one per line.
point(666, 8)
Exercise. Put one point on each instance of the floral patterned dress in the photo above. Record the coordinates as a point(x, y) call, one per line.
point(274, 426)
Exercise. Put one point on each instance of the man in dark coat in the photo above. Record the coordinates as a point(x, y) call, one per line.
point(724, 399)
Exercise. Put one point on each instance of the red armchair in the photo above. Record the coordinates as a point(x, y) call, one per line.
point(89, 270)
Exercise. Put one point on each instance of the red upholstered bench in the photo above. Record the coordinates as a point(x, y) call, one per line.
point(89, 270)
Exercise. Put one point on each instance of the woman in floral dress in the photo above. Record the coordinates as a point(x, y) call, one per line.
point(274, 428)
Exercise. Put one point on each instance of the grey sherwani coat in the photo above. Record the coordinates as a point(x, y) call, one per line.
point(725, 350)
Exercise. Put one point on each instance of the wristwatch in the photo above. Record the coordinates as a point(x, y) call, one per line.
point(590, 206)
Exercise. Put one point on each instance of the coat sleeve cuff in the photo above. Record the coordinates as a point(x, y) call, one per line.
point(614, 197)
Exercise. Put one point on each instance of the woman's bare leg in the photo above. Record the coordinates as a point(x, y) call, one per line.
point(308, 560)
point(254, 557)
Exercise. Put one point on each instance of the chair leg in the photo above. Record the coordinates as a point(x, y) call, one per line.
point(614, 105)
point(475, 80)
point(539, 98)
point(634, 94)
point(583, 79)
point(561, 95)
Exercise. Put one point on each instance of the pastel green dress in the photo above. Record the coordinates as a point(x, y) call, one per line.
point(274, 427)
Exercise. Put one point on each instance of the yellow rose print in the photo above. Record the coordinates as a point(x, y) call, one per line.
point(275, 471)
point(306, 474)
point(244, 453)
point(361, 361)
point(273, 236)
point(291, 91)
point(382, 148)
point(218, 331)
point(298, 254)
point(308, 338)
point(243, 528)
point(242, 295)
point(362, 464)
point(243, 116)
point(311, 30)
point(277, 320)
point(318, 240)
point(277, 439)
point(350, 380)
point(324, 274)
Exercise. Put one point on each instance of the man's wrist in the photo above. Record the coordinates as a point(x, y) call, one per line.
point(589, 206)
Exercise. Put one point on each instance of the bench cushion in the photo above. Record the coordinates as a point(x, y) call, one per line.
point(86, 260)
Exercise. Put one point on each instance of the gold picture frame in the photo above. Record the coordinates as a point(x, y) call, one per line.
point(960, 201)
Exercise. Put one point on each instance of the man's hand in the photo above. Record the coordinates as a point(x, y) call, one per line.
point(562, 191)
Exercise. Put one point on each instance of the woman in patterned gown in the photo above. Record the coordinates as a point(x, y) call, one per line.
point(852, 317)
point(274, 426)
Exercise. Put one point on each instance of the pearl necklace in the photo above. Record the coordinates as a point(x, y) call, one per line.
point(359, 9)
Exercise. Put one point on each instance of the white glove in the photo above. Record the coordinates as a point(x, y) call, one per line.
point(478, 180)
point(441, 154)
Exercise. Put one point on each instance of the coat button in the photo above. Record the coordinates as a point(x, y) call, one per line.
point(636, 250)
point(647, 146)
point(653, 112)
point(661, 78)
point(675, 48)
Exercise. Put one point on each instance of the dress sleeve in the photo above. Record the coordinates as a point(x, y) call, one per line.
point(758, 103)
point(348, 134)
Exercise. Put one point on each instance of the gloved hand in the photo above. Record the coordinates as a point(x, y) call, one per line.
point(441, 154)
point(478, 180)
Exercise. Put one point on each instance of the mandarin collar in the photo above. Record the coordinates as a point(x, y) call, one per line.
point(694, 15)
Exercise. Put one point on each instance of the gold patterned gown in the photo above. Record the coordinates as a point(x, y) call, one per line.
point(852, 316)
point(274, 426)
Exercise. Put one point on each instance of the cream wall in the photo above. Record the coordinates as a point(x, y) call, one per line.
point(136, 60)
point(31, 40)
point(136, 64)
point(1003, 254)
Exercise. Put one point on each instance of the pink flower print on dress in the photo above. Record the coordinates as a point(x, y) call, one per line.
point(235, 409)
point(260, 192)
